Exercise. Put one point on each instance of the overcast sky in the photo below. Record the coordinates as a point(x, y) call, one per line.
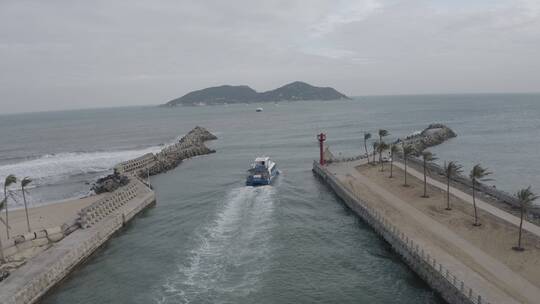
point(65, 54)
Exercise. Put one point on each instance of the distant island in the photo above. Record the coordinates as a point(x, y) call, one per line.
point(243, 94)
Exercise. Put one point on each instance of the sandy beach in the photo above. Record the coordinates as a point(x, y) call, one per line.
point(45, 216)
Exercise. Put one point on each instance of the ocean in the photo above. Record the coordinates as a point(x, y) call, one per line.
point(210, 239)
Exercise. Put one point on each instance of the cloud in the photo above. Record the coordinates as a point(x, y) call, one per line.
point(115, 52)
point(345, 12)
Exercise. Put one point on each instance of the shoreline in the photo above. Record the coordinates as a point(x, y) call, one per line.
point(65, 233)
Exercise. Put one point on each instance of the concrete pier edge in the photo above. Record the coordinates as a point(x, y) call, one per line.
point(39, 275)
point(446, 284)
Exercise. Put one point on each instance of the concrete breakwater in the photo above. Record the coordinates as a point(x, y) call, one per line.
point(39, 260)
point(31, 281)
point(452, 288)
point(191, 145)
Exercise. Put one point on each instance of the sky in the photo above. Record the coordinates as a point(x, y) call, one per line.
point(69, 54)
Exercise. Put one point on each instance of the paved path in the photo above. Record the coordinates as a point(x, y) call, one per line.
point(532, 228)
point(501, 282)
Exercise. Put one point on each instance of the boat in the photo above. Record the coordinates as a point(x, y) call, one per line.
point(259, 110)
point(263, 172)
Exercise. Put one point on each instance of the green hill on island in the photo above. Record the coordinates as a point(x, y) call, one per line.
point(243, 94)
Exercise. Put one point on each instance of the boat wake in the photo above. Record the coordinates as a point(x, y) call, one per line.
point(230, 254)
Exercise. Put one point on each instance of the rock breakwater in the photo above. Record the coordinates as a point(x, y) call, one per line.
point(191, 145)
point(433, 135)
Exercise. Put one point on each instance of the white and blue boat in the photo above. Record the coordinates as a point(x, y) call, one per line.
point(263, 172)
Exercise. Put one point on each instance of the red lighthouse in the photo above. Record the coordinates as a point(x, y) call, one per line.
point(321, 137)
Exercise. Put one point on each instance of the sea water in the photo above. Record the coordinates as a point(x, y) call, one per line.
point(210, 239)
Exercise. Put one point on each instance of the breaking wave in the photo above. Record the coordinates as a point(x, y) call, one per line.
point(55, 168)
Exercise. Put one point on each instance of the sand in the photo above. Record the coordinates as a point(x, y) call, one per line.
point(492, 241)
point(45, 216)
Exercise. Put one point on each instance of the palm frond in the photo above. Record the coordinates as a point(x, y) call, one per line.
point(408, 150)
point(452, 168)
point(367, 135)
point(10, 179)
point(480, 173)
point(383, 133)
point(526, 197)
point(25, 181)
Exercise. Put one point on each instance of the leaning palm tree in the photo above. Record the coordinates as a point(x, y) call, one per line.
point(394, 149)
point(525, 198)
point(451, 169)
point(478, 173)
point(24, 182)
point(381, 148)
point(375, 147)
point(427, 157)
point(382, 133)
point(2, 258)
point(407, 150)
point(366, 137)
point(10, 179)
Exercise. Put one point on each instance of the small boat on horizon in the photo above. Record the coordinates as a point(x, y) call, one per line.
point(259, 110)
point(262, 172)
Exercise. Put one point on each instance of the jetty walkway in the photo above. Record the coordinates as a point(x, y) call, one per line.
point(464, 265)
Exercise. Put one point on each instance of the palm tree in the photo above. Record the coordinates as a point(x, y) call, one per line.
point(10, 179)
point(366, 137)
point(450, 169)
point(478, 173)
point(394, 149)
point(525, 197)
point(407, 150)
point(2, 259)
point(24, 182)
point(427, 157)
point(375, 147)
point(381, 148)
point(382, 133)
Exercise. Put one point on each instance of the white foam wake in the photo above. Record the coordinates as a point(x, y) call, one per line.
point(231, 253)
point(54, 168)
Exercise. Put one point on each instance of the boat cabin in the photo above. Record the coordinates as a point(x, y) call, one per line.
point(262, 162)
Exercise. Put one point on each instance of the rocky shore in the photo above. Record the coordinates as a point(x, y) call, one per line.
point(192, 144)
point(434, 134)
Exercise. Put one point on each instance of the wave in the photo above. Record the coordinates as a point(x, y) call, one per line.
point(231, 252)
point(55, 168)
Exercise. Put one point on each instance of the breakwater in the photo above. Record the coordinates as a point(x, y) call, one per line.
point(190, 145)
point(60, 249)
point(434, 134)
point(452, 288)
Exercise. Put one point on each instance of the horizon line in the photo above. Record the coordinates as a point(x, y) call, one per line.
point(351, 96)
